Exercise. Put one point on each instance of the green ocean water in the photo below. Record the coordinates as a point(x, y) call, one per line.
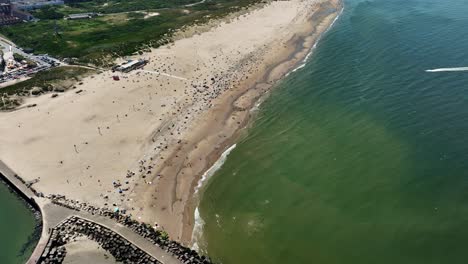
point(17, 225)
point(361, 156)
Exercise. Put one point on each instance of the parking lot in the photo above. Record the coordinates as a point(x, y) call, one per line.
point(43, 62)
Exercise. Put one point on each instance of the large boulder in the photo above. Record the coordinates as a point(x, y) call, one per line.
point(36, 90)
point(59, 89)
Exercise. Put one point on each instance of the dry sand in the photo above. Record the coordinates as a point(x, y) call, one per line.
point(143, 142)
point(84, 250)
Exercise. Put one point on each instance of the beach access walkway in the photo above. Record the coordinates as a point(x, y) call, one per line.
point(161, 73)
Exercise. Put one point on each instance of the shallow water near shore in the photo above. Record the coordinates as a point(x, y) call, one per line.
point(17, 225)
point(361, 156)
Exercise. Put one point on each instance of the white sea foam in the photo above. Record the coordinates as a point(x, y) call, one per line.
point(213, 168)
point(198, 220)
point(297, 68)
point(336, 18)
point(197, 230)
point(259, 102)
point(256, 106)
point(448, 69)
point(304, 62)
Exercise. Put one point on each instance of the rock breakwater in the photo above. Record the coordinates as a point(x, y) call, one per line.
point(157, 237)
point(74, 227)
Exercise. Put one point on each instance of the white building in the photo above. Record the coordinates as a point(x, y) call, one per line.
point(9, 59)
point(131, 65)
point(81, 16)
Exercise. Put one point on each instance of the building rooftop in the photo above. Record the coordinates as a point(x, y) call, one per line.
point(81, 15)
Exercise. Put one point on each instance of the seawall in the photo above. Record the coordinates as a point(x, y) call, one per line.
point(19, 186)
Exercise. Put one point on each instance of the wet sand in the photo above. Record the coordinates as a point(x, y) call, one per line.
point(143, 142)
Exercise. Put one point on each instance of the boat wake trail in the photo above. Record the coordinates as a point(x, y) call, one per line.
point(449, 69)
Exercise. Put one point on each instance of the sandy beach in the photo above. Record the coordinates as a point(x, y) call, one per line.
point(142, 143)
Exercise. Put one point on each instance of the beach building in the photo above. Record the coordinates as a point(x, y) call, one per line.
point(81, 16)
point(131, 65)
point(9, 59)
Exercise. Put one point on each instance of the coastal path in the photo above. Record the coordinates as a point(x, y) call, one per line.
point(162, 73)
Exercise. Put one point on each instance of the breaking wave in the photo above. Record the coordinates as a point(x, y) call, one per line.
point(197, 230)
point(304, 62)
point(208, 173)
point(198, 220)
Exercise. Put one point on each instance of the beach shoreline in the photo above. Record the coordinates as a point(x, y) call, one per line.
point(302, 47)
point(143, 143)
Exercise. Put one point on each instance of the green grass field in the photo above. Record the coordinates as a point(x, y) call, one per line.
point(121, 30)
point(46, 78)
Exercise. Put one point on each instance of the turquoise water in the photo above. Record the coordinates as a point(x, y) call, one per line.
point(362, 155)
point(17, 226)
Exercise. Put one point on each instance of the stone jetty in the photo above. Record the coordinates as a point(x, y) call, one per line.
point(157, 237)
point(126, 239)
point(73, 227)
